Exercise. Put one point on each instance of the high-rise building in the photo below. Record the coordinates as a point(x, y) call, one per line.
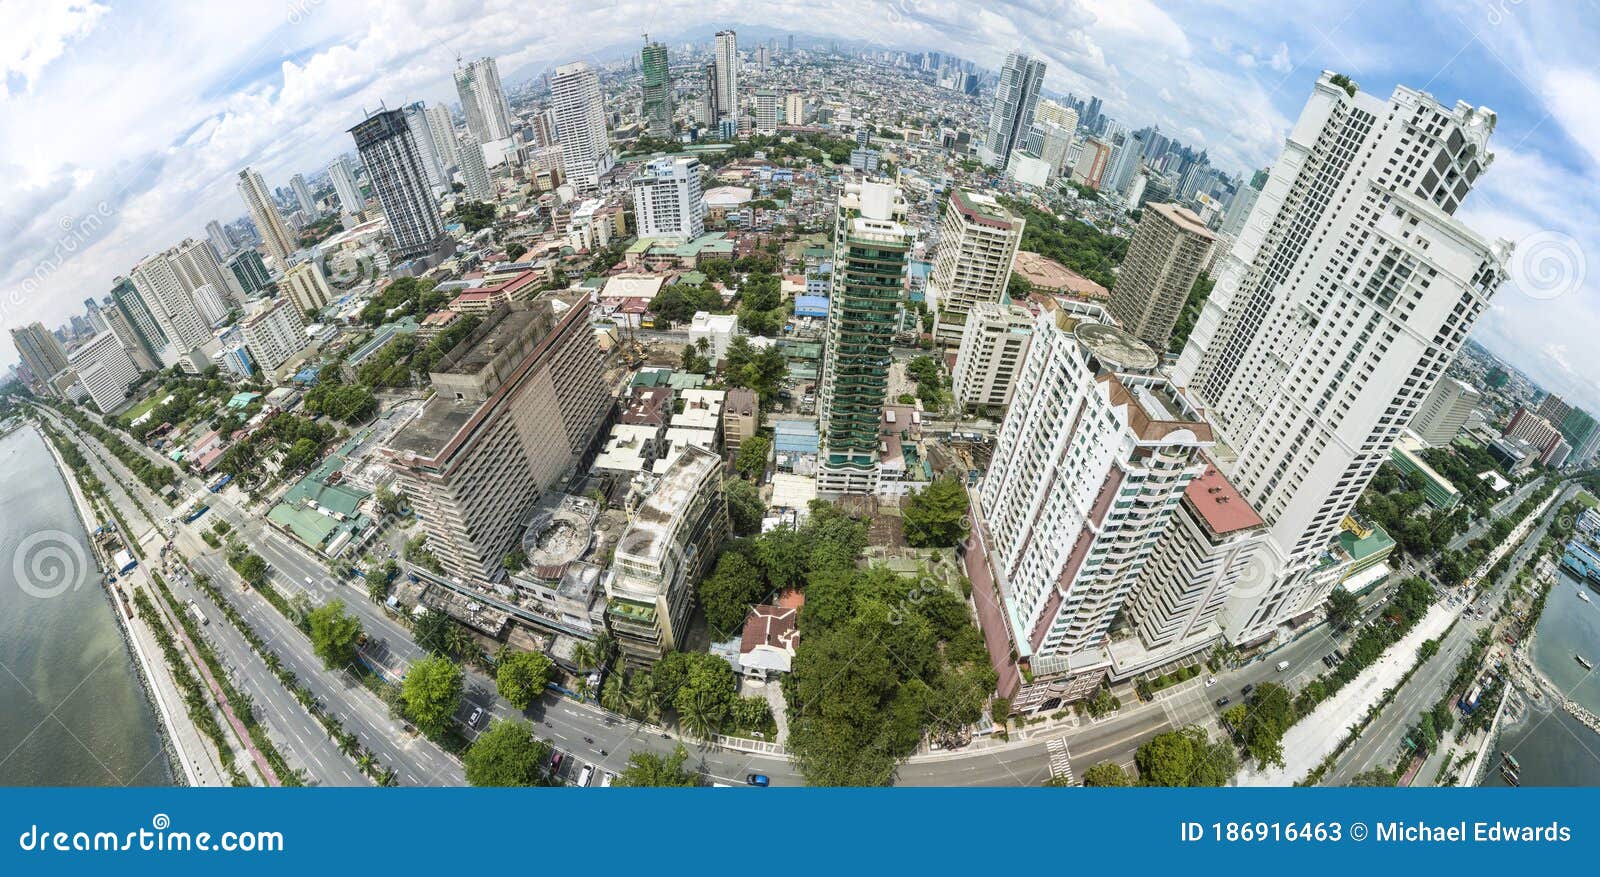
point(1177, 603)
point(258, 200)
point(41, 351)
point(1090, 168)
point(1094, 454)
point(208, 301)
point(482, 100)
point(671, 542)
point(220, 240)
point(146, 330)
point(168, 300)
point(475, 173)
point(544, 129)
point(794, 108)
point(1335, 314)
point(581, 123)
point(395, 169)
point(978, 241)
point(305, 286)
point(871, 244)
point(1165, 255)
point(710, 107)
point(1050, 111)
point(726, 68)
point(667, 201)
point(105, 370)
point(442, 130)
point(129, 336)
point(344, 185)
point(1126, 158)
point(249, 272)
point(514, 415)
point(422, 134)
point(302, 196)
point(766, 111)
point(1015, 99)
point(274, 332)
point(1442, 414)
point(656, 109)
point(1554, 409)
point(197, 265)
point(1238, 212)
point(994, 344)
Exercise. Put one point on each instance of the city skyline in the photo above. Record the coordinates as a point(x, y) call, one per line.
point(77, 217)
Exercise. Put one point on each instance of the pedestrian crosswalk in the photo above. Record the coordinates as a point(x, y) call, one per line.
point(1060, 761)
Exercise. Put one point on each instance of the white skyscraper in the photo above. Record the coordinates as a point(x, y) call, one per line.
point(344, 185)
point(667, 201)
point(469, 154)
point(1016, 97)
point(726, 61)
point(1445, 412)
point(1348, 292)
point(422, 132)
point(581, 124)
point(1095, 452)
point(443, 130)
point(197, 265)
point(219, 239)
point(766, 111)
point(978, 241)
point(794, 108)
point(105, 370)
point(482, 100)
point(163, 293)
point(274, 333)
point(274, 234)
point(302, 196)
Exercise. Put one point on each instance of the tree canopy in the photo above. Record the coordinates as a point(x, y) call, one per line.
point(1186, 758)
point(334, 635)
point(521, 677)
point(507, 755)
point(936, 515)
point(431, 692)
point(649, 769)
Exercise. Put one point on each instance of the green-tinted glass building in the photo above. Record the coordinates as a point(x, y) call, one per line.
point(871, 246)
point(657, 109)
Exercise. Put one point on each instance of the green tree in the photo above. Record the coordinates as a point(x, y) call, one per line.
point(1185, 758)
point(726, 594)
point(745, 507)
point(1343, 607)
point(431, 693)
point(782, 554)
point(377, 581)
point(521, 677)
point(334, 635)
point(936, 516)
point(649, 769)
point(1377, 776)
point(507, 755)
point(1107, 773)
point(705, 699)
point(751, 461)
point(1271, 712)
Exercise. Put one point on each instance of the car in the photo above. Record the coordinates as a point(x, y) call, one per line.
point(555, 762)
point(1282, 666)
point(1222, 701)
point(1210, 681)
point(585, 775)
point(1247, 689)
point(477, 715)
point(757, 779)
point(310, 581)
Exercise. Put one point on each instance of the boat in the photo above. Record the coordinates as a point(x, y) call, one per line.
point(1583, 595)
point(1511, 761)
point(1509, 775)
point(1584, 661)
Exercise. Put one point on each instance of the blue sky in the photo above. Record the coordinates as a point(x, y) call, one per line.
point(123, 124)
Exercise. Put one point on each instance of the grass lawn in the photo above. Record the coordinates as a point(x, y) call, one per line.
point(138, 411)
point(1588, 499)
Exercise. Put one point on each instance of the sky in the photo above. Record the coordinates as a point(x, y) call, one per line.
point(123, 125)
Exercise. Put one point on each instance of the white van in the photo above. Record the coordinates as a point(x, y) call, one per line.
point(585, 775)
point(1282, 666)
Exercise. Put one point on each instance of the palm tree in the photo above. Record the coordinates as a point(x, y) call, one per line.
point(611, 694)
point(583, 656)
point(605, 647)
point(582, 687)
point(640, 694)
point(696, 718)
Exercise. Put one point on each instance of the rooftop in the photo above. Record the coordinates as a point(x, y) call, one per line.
point(1219, 503)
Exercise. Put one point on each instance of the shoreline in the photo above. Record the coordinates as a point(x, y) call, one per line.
point(177, 764)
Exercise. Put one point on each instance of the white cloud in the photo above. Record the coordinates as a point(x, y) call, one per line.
point(36, 34)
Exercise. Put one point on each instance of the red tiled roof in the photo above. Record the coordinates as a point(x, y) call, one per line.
point(769, 626)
